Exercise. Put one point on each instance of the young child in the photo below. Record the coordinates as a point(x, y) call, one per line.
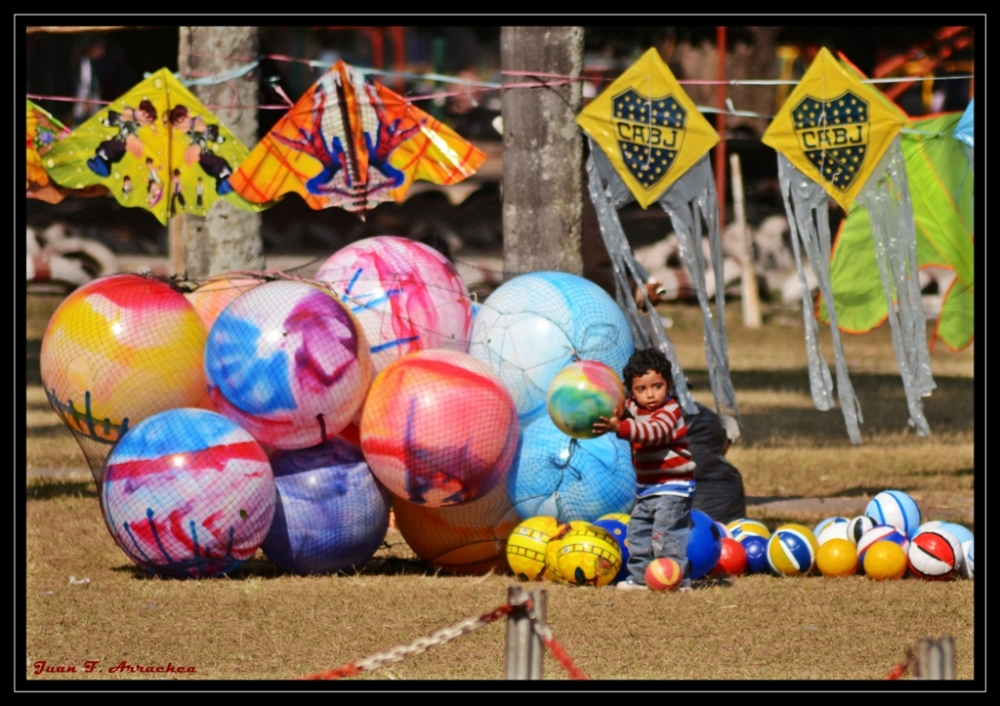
point(654, 423)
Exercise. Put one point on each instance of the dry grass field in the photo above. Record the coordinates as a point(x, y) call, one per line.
point(85, 601)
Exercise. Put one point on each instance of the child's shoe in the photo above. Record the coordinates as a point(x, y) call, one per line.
point(630, 585)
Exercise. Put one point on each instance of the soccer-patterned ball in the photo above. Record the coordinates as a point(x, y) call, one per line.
point(589, 556)
point(857, 527)
point(880, 533)
point(935, 555)
point(896, 508)
point(526, 546)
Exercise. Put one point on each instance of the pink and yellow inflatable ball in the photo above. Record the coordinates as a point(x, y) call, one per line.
point(118, 350)
point(287, 362)
point(407, 296)
point(439, 428)
point(581, 393)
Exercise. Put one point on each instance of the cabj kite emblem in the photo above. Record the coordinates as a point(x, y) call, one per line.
point(834, 135)
point(650, 133)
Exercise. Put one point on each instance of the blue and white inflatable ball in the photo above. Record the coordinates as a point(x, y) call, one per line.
point(570, 479)
point(331, 514)
point(896, 508)
point(532, 326)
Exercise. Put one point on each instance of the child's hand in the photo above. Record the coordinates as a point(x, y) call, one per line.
point(607, 424)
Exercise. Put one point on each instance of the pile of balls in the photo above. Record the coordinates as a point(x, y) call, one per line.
point(887, 542)
point(582, 553)
point(256, 411)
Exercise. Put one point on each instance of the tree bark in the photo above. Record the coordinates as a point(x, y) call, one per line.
point(228, 238)
point(543, 151)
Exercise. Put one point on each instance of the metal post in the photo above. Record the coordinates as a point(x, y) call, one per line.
point(936, 659)
point(524, 646)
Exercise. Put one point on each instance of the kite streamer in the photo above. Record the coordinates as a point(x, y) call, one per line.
point(887, 198)
point(808, 220)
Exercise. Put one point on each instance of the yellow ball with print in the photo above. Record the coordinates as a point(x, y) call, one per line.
point(552, 571)
point(526, 546)
point(589, 556)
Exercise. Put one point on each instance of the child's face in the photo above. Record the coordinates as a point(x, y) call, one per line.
point(650, 390)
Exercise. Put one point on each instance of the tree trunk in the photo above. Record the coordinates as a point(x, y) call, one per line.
point(542, 151)
point(228, 238)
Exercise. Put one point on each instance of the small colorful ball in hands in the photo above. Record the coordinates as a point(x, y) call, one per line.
point(756, 549)
point(526, 546)
point(935, 555)
point(663, 574)
point(895, 508)
point(885, 560)
point(583, 393)
point(732, 560)
point(187, 493)
point(837, 557)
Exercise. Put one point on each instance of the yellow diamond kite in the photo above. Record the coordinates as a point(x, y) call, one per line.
point(648, 127)
point(834, 128)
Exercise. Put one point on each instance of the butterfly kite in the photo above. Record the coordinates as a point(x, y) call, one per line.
point(157, 147)
point(353, 144)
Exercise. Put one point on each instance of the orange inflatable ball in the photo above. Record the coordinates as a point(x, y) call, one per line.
point(663, 575)
point(837, 557)
point(885, 560)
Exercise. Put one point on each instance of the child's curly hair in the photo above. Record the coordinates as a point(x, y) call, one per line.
point(645, 360)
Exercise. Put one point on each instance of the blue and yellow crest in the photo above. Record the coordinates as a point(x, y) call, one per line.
point(834, 128)
point(833, 135)
point(648, 127)
point(650, 133)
